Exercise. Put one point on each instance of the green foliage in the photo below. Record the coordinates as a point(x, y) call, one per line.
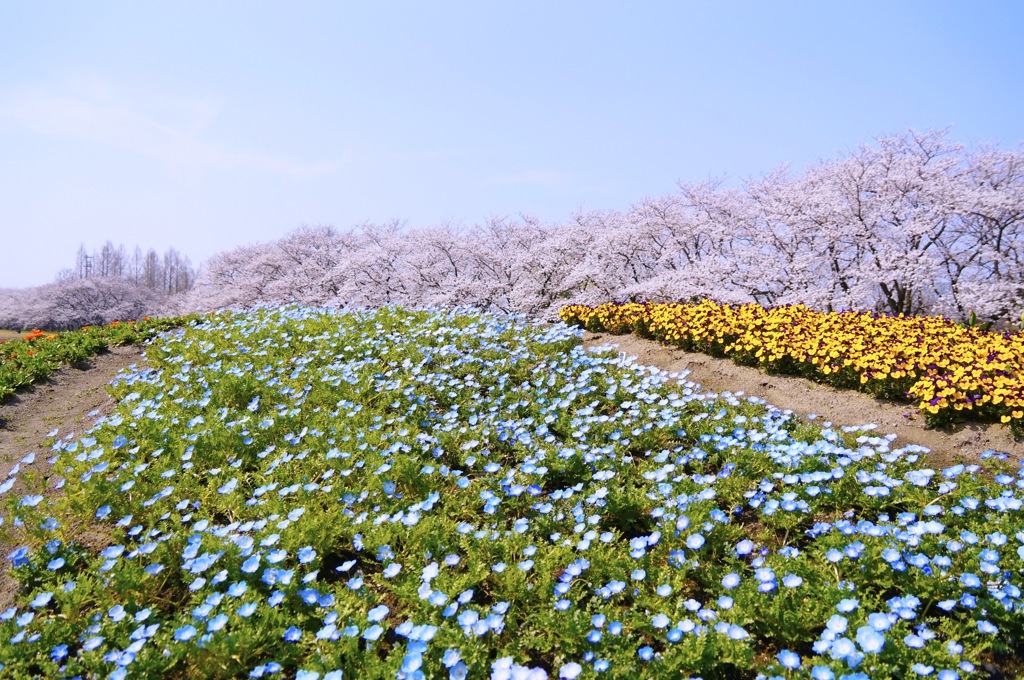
point(37, 355)
point(590, 512)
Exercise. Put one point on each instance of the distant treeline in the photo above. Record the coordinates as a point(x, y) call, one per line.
point(167, 274)
point(110, 283)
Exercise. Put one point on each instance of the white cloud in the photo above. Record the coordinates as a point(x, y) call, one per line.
point(166, 129)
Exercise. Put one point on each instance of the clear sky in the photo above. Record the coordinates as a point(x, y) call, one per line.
point(207, 124)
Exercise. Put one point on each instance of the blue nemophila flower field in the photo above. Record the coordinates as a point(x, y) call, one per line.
point(294, 493)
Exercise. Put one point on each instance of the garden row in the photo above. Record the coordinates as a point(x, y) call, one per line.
point(296, 493)
point(38, 354)
point(951, 371)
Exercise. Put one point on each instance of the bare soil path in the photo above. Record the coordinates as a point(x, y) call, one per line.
point(962, 443)
point(70, 400)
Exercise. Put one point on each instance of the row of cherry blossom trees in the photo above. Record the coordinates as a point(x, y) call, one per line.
point(72, 303)
point(108, 284)
point(914, 223)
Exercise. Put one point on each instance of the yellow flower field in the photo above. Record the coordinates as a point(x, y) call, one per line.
point(952, 372)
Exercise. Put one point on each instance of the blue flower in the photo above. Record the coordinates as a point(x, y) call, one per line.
point(646, 653)
point(185, 633)
point(788, 659)
point(842, 648)
point(459, 671)
point(913, 641)
point(879, 622)
point(451, 657)
point(292, 634)
point(730, 581)
point(970, 580)
point(847, 605)
point(870, 640)
point(792, 581)
point(837, 624)
point(737, 633)
point(377, 614)
point(570, 671)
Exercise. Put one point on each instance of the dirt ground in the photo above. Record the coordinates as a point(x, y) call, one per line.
point(842, 407)
point(64, 401)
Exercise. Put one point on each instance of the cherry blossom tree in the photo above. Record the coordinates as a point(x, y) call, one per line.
point(986, 269)
point(73, 303)
point(910, 224)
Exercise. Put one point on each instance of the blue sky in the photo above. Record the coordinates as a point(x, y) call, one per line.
point(205, 125)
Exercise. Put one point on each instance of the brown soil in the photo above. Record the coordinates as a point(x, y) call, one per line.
point(962, 443)
point(64, 402)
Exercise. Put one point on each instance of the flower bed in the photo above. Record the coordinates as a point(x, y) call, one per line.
point(950, 371)
point(36, 355)
point(305, 494)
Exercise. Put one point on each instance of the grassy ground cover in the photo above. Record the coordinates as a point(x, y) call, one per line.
point(26, 359)
point(307, 494)
point(952, 371)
